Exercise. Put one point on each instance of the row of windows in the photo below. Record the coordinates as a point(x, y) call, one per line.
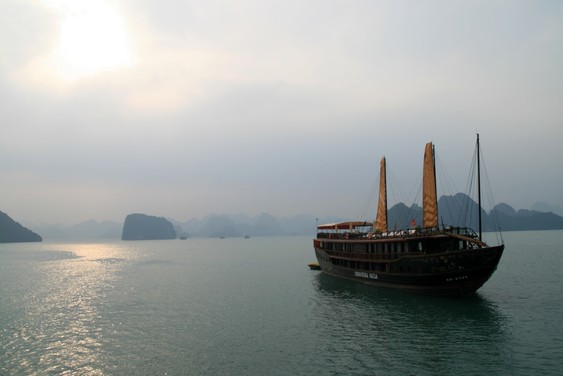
point(390, 247)
point(397, 247)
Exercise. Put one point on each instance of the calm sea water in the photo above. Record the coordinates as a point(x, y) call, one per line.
point(252, 307)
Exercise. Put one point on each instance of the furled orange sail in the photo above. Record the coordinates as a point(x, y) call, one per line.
point(381, 219)
point(429, 196)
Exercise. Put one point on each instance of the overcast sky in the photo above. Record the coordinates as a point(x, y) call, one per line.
point(184, 108)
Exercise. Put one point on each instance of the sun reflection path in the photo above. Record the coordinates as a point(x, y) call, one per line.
point(64, 325)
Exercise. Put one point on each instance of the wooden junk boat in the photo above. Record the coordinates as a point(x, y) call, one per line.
point(432, 259)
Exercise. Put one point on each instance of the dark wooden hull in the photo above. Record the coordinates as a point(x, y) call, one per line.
point(449, 273)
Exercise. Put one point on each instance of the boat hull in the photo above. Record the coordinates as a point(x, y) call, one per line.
point(457, 273)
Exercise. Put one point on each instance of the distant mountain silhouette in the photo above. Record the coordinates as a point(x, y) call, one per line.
point(529, 220)
point(225, 225)
point(146, 227)
point(12, 232)
point(461, 210)
point(95, 230)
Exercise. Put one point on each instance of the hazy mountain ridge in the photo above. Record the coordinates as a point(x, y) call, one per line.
point(237, 225)
point(502, 216)
point(87, 230)
point(546, 208)
point(264, 224)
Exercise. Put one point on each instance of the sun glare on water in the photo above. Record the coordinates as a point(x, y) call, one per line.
point(92, 39)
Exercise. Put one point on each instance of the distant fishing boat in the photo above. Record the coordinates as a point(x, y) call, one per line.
point(432, 259)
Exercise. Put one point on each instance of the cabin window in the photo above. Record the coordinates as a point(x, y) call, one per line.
point(420, 246)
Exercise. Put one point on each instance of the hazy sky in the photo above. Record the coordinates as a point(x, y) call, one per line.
point(185, 108)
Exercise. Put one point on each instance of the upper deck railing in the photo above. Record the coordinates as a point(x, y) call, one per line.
point(355, 234)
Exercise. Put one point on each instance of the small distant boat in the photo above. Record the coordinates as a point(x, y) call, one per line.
point(183, 237)
point(432, 259)
point(246, 236)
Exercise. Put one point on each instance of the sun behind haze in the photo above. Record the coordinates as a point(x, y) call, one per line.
point(93, 39)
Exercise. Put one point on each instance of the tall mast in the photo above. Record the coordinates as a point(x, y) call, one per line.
point(479, 186)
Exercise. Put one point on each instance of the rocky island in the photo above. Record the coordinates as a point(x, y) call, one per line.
point(147, 227)
point(12, 232)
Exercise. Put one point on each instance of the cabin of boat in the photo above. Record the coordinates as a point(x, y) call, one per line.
point(432, 259)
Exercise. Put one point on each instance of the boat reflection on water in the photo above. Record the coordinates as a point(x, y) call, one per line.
point(411, 333)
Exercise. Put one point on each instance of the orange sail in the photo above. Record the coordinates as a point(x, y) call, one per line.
point(429, 196)
point(381, 220)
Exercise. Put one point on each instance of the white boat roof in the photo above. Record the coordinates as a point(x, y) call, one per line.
point(349, 225)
